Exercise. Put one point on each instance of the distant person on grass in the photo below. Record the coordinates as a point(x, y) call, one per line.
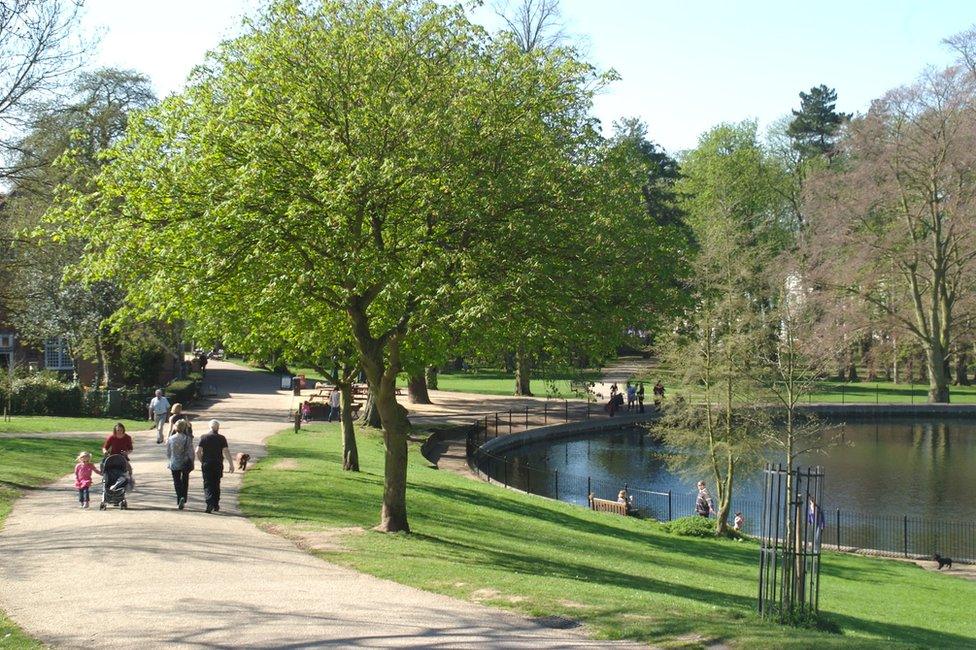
point(658, 394)
point(211, 452)
point(83, 476)
point(334, 405)
point(158, 413)
point(703, 504)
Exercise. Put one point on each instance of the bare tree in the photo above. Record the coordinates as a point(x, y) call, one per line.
point(896, 225)
point(40, 50)
point(535, 24)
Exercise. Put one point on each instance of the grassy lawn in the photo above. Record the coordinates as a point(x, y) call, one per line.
point(482, 382)
point(27, 463)
point(46, 424)
point(622, 577)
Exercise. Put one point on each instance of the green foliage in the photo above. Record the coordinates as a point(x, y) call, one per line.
point(42, 394)
point(140, 362)
point(619, 576)
point(693, 526)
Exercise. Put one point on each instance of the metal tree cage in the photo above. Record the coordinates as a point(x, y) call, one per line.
point(791, 536)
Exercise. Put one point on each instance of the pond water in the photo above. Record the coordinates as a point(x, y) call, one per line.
point(924, 468)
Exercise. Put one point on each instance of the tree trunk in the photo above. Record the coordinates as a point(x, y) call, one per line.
point(393, 516)
point(725, 501)
point(350, 453)
point(371, 415)
point(417, 387)
point(523, 372)
point(938, 378)
point(962, 369)
point(430, 375)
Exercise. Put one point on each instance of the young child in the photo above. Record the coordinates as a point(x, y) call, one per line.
point(739, 521)
point(83, 476)
point(306, 411)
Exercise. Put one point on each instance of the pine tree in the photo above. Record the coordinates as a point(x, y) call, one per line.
point(814, 127)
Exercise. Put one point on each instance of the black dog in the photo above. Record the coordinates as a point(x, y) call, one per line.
point(242, 461)
point(943, 561)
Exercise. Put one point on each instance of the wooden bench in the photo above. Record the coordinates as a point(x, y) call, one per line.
point(606, 505)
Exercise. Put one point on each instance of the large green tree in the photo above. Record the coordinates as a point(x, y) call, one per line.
point(353, 155)
point(816, 125)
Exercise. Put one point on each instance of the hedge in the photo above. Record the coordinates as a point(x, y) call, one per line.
point(41, 394)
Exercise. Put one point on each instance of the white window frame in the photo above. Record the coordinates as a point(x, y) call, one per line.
point(56, 356)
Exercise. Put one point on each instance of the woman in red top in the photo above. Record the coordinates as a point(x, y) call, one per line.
point(119, 442)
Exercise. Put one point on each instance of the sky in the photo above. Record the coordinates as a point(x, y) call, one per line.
point(685, 66)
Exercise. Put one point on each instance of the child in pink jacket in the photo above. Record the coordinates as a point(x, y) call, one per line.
point(83, 476)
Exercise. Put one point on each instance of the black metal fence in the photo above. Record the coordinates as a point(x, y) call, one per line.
point(845, 530)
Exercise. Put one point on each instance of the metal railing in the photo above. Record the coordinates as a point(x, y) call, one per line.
point(845, 530)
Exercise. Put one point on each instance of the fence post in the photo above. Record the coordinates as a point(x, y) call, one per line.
point(669, 505)
point(505, 472)
point(509, 421)
point(905, 520)
point(557, 483)
point(838, 529)
point(526, 418)
point(545, 413)
point(843, 390)
point(496, 424)
point(589, 487)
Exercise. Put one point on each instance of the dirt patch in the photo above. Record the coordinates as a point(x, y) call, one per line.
point(964, 571)
point(572, 604)
point(327, 540)
point(286, 464)
point(485, 594)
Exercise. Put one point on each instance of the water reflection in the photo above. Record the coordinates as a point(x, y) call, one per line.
point(898, 467)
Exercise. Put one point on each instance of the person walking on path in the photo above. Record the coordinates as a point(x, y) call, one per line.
point(176, 415)
point(631, 396)
point(334, 404)
point(118, 442)
point(158, 413)
point(640, 398)
point(179, 451)
point(703, 504)
point(83, 477)
point(211, 452)
point(306, 411)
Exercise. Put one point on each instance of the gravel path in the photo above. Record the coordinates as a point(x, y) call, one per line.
point(153, 575)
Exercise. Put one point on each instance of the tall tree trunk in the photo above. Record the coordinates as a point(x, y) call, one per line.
point(430, 375)
point(350, 452)
point(938, 378)
point(417, 387)
point(371, 415)
point(523, 372)
point(962, 369)
point(725, 500)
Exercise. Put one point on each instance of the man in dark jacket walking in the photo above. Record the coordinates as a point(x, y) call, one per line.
point(212, 450)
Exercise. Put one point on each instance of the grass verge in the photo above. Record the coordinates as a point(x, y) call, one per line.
point(623, 578)
point(51, 424)
point(27, 463)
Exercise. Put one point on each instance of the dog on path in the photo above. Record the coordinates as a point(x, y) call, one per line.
point(943, 561)
point(241, 460)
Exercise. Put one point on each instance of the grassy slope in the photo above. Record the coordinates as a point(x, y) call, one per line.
point(27, 463)
point(622, 577)
point(45, 424)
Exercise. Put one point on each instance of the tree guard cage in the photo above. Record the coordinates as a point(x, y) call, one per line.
point(791, 535)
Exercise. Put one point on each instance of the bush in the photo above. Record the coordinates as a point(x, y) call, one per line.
point(42, 394)
point(695, 526)
point(183, 391)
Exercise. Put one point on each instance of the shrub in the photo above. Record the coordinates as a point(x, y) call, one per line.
point(42, 394)
point(695, 526)
point(183, 391)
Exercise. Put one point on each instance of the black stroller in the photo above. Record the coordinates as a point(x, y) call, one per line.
point(116, 480)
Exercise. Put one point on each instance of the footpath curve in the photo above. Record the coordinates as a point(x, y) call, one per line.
point(154, 576)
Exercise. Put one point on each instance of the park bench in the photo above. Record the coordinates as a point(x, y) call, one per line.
point(606, 505)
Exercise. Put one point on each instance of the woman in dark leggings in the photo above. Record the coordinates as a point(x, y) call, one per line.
point(179, 451)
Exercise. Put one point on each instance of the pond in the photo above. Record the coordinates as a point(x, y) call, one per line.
point(916, 470)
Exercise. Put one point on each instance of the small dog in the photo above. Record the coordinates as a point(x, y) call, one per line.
point(943, 561)
point(242, 461)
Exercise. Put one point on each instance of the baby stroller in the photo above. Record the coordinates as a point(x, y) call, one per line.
point(116, 480)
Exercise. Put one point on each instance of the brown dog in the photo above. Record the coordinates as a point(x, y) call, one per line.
point(242, 461)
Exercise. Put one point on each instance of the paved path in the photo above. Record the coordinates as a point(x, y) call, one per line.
point(153, 575)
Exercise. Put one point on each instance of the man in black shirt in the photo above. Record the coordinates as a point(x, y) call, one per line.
point(211, 452)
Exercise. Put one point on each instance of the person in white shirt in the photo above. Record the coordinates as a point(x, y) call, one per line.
point(334, 404)
point(159, 414)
